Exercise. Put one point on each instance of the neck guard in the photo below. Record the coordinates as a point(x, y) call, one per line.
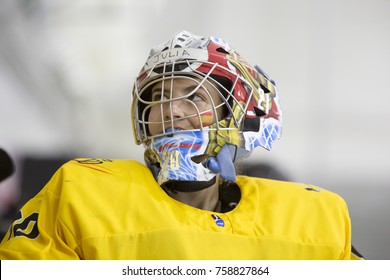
point(188, 186)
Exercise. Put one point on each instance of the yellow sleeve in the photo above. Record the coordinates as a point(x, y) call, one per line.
point(37, 233)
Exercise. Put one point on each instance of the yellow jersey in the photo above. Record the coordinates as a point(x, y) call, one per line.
point(114, 209)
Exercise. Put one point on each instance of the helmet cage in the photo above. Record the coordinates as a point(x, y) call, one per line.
point(169, 71)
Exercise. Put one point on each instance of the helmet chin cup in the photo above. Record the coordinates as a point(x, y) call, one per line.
point(170, 157)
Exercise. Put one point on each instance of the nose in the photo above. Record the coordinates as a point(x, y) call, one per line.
point(174, 110)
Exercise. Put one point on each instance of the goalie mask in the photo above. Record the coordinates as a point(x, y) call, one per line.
point(197, 107)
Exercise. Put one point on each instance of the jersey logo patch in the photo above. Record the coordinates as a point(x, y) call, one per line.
point(92, 160)
point(218, 221)
point(27, 227)
point(312, 188)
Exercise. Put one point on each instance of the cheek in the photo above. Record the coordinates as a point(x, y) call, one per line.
point(207, 118)
point(154, 116)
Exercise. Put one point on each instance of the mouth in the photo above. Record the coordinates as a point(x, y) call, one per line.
point(173, 130)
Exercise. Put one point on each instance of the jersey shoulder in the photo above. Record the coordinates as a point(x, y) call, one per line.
point(115, 168)
point(93, 174)
point(293, 195)
point(286, 188)
point(107, 166)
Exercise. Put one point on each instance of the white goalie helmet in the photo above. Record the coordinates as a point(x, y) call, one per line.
point(188, 159)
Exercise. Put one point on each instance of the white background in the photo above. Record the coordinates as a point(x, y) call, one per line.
point(67, 69)
point(156, 270)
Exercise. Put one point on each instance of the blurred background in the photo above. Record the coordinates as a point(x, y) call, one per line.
point(67, 69)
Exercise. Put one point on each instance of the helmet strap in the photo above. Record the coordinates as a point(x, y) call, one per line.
point(223, 162)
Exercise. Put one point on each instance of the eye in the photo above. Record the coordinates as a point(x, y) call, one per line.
point(156, 96)
point(197, 97)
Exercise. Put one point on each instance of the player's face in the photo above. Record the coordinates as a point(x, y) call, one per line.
point(190, 107)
